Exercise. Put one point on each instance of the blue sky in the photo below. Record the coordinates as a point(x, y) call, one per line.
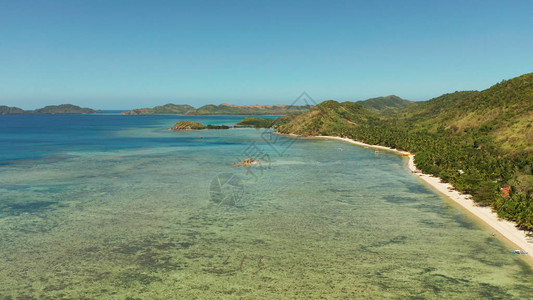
point(128, 54)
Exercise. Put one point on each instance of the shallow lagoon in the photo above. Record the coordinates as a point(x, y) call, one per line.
point(118, 207)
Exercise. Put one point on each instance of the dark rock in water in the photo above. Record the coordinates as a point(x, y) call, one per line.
point(247, 162)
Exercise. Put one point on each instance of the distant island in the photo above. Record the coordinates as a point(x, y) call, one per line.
point(51, 109)
point(191, 125)
point(256, 122)
point(223, 109)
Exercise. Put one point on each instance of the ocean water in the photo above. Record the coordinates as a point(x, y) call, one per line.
point(118, 207)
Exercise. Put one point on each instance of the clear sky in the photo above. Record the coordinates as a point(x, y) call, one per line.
point(129, 54)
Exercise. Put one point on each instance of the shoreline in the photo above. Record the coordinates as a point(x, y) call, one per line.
point(506, 229)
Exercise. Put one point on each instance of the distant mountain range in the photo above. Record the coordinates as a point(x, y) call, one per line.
point(223, 109)
point(51, 109)
point(384, 105)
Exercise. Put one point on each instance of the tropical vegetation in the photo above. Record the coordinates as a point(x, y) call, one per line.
point(479, 141)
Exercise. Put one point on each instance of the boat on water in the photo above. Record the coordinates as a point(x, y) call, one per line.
point(519, 252)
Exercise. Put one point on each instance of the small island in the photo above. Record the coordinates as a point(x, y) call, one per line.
point(167, 109)
point(50, 109)
point(191, 125)
point(188, 125)
point(8, 110)
point(256, 122)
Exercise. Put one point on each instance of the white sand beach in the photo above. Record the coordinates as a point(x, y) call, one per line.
point(503, 228)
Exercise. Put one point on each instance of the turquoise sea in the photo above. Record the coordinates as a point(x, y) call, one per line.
point(118, 207)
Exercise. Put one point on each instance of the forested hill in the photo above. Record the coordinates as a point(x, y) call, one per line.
point(479, 141)
point(503, 113)
point(386, 105)
point(10, 110)
point(51, 109)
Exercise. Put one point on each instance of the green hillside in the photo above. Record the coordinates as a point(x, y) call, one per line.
point(503, 113)
point(478, 141)
point(329, 117)
point(427, 110)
